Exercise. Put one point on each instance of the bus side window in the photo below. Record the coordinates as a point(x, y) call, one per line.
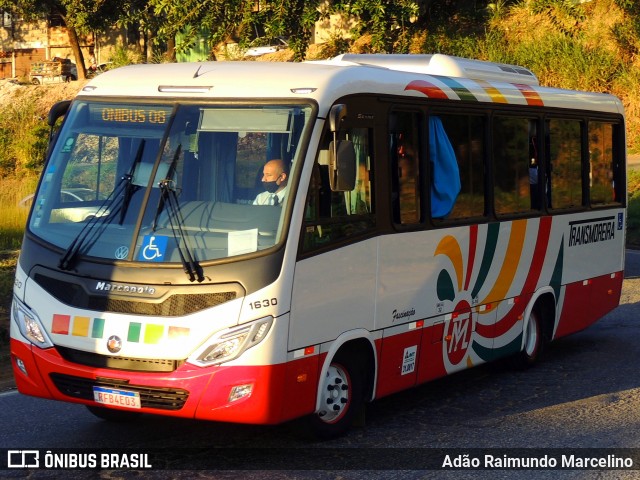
point(445, 174)
point(336, 216)
point(466, 135)
point(565, 159)
point(512, 166)
point(405, 166)
point(534, 173)
point(602, 165)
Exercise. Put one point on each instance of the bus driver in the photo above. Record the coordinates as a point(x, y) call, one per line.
point(274, 181)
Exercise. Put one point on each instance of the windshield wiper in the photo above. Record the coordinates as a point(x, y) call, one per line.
point(129, 187)
point(116, 203)
point(169, 197)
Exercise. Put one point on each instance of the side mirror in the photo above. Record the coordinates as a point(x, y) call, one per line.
point(336, 114)
point(342, 166)
point(58, 110)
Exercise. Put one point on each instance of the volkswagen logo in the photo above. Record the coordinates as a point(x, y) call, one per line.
point(114, 344)
point(122, 252)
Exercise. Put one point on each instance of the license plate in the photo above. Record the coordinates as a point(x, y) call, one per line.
point(120, 398)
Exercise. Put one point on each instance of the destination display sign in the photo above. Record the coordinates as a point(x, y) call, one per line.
point(138, 115)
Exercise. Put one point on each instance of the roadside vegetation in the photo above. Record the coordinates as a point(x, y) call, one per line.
point(591, 46)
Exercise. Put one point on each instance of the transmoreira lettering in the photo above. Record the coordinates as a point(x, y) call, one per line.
point(584, 234)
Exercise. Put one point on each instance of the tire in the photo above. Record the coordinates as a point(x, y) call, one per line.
point(341, 398)
point(35, 81)
point(112, 415)
point(533, 342)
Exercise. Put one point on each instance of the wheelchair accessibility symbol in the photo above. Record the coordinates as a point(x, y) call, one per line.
point(153, 248)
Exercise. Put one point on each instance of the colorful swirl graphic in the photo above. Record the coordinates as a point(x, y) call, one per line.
point(493, 336)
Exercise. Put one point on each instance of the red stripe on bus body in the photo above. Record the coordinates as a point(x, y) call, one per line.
point(504, 324)
point(473, 241)
point(429, 89)
point(532, 97)
point(280, 392)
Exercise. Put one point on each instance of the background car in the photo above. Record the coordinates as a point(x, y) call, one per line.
point(263, 45)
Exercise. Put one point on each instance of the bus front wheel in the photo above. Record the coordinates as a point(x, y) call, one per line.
point(341, 398)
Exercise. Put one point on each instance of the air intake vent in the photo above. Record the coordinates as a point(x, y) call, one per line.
point(118, 363)
point(178, 304)
point(150, 397)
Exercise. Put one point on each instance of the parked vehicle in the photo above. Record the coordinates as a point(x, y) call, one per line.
point(261, 46)
point(58, 69)
point(101, 68)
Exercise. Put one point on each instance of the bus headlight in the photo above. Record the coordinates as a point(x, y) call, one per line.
point(230, 344)
point(29, 324)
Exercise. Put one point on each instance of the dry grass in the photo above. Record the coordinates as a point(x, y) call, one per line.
point(587, 48)
point(43, 96)
point(14, 214)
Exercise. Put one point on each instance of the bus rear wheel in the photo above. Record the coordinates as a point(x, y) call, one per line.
point(533, 342)
point(341, 398)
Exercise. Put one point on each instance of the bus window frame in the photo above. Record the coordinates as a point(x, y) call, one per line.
point(618, 157)
point(485, 115)
point(382, 107)
point(422, 165)
point(360, 115)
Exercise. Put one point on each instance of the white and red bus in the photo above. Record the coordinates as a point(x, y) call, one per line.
point(439, 213)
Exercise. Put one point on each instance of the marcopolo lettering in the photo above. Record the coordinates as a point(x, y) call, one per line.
point(124, 288)
point(592, 231)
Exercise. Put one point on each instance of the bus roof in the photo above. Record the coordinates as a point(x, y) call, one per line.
point(434, 76)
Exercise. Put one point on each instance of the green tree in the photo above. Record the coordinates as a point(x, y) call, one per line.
point(222, 19)
point(294, 19)
point(390, 23)
point(237, 20)
point(79, 17)
point(141, 15)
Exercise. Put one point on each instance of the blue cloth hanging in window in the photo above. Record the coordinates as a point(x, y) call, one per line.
point(445, 175)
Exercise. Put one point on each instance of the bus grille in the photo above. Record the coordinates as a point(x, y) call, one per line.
point(118, 363)
point(150, 397)
point(175, 305)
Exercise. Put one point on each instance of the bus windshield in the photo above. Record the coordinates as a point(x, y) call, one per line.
point(168, 183)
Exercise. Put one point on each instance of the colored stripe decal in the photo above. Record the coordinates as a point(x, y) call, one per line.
point(449, 246)
point(97, 330)
point(493, 92)
point(463, 92)
point(473, 241)
point(531, 96)
point(556, 276)
point(177, 332)
point(427, 88)
point(60, 324)
point(542, 243)
point(490, 354)
point(510, 262)
point(81, 326)
point(134, 332)
point(431, 90)
point(94, 328)
point(487, 257)
point(153, 333)
point(511, 318)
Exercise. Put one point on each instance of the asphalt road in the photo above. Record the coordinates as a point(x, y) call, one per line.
point(582, 398)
